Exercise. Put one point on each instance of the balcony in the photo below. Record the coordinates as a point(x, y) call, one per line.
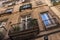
point(51, 23)
point(27, 6)
point(19, 32)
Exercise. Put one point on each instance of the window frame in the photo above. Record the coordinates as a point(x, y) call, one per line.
point(9, 10)
point(5, 20)
point(9, 3)
point(28, 6)
point(49, 18)
point(26, 20)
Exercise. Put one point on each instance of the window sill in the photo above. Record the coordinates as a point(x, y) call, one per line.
point(51, 26)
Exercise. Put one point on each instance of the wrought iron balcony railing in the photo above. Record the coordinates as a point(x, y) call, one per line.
point(19, 32)
point(26, 6)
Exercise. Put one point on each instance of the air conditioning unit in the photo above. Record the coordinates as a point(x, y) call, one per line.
point(26, 6)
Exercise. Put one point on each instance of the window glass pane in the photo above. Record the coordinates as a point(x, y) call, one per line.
point(25, 21)
point(2, 24)
point(27, 6)
point(45, 16)
point(46, 19)
point(9, 10)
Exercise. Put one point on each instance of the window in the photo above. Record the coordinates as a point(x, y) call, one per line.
point(23, 1)
point(48, 20)
point(9, 10)
point(27, 6)
point(2, 25)
point(24, 21)
point(9, 3)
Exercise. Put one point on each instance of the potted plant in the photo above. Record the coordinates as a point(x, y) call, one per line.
point(16, 28)
point(33, 22)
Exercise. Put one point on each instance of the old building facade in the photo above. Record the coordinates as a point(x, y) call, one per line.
point(21, 12)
